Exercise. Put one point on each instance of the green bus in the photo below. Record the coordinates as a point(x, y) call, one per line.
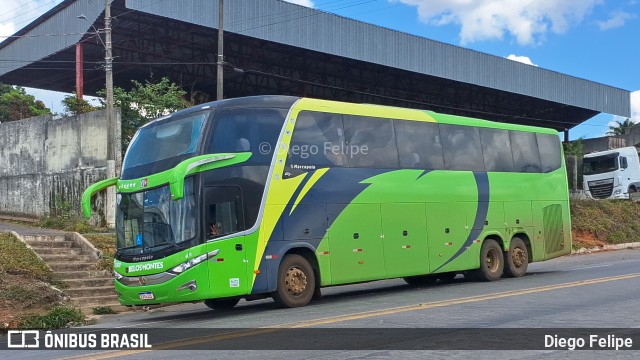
point(277, 196)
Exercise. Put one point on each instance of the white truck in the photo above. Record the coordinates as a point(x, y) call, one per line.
point(612, 174)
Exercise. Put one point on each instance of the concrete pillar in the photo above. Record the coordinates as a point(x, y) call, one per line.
point(110, 201)
point(79, 70)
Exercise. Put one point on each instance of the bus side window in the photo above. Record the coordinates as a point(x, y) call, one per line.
point(370, 142)
point(223, 211)
point(526, 157)
point(496, 149)
point(245, 130)
point(461, 147)
point(550, 153)
point(317, 142)
point(419, 145)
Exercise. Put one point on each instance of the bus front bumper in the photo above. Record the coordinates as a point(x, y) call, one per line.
point(160, 288)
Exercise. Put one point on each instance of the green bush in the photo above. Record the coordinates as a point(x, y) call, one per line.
point(57, 318)
point(64, 217)
point(102, 310)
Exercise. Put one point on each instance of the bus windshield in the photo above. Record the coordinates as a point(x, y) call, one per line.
point(600, 164)
point(150, 221)
point(165, 139)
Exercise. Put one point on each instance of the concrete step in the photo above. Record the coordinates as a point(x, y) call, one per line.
point(89, 282)
point(43, 238)
point(87, 274)
point(69, 257)
point(93, 301)
point(50, 244)
point(72, 266)
point(75, 293)
point(57, 250)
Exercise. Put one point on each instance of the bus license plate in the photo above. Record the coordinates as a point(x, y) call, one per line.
point(148, 295)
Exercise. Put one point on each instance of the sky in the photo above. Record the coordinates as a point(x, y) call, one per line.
point(596, 40)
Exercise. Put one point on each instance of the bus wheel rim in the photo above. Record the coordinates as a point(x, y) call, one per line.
point(518, 257)
point(295, 281)
point(491, 260)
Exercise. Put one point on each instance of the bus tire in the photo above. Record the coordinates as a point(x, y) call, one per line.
point(420, 280)
point(491, 261)
point(221, 304)
point(296, 282)
point(516, 260)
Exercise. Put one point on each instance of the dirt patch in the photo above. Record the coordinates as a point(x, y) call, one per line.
point(585, 239)
point(21, 296)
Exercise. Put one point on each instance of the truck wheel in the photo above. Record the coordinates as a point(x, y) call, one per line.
point(296, 282)
point(516, 259)
point(221, 304)
point(491, 261)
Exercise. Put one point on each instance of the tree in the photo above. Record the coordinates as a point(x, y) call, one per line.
point(74, 106)
point(16, 104)
point(574, 147)
point(145, 102)
point(621, 127)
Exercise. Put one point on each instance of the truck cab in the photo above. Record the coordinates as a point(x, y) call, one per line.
point(612, 174)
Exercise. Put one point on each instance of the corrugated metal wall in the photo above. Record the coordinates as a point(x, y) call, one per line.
point(294, 25)
point(46, 39)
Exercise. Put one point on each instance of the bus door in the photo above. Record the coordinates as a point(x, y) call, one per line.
point(223, 214)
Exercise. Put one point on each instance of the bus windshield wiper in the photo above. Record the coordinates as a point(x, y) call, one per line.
point(158, 245)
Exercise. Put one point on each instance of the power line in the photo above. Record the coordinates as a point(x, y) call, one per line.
point(26, 12)
point(19, 7)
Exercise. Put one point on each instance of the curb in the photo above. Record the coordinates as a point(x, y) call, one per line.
point(84, 244)
point(625, 246)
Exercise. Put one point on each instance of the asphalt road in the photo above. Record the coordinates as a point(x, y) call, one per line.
point(585, 291)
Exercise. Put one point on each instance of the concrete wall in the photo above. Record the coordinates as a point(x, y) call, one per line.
point(45, 161)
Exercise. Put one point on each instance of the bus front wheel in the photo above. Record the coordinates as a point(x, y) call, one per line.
point(516, 259)
point(296, 282)
point(491, 261)
point(221, 304)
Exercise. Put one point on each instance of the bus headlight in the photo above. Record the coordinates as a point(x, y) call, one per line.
point(193, 262)
point(117, 275)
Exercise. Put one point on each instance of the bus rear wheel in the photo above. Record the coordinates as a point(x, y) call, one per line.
point(296, 282)
point(516, 259)
point(221, 304)
point(491, 261)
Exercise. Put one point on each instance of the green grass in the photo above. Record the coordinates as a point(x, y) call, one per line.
point(610, 221)
point(56, 318)
point(25, 296)
point(17, 259)
point(107, 244)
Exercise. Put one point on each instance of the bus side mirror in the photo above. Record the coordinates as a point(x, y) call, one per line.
point(92, 190)
point(200, 163)
point(623, 162)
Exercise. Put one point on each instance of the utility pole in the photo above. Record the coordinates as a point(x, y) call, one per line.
point(219, 77)
point(108, 68)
